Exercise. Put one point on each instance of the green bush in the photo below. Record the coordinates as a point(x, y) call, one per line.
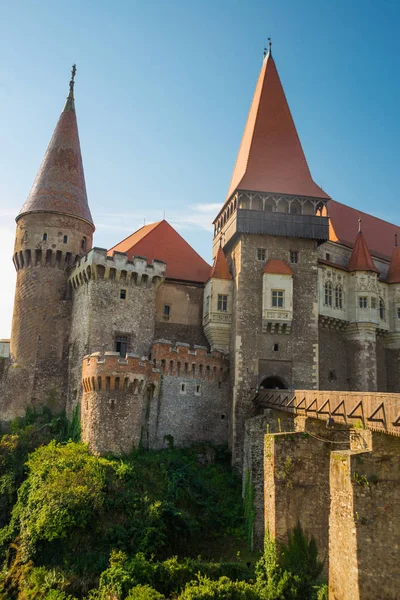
point(222, 589)
point(144, 592)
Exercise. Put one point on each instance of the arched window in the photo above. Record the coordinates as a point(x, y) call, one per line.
point(381, 309)
point(328, 293)
point(338, 296)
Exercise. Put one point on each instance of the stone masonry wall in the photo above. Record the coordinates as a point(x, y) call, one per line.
point(42, 308)
point(332, 360)
point(248, 342)
point(100, 314)
point(364, 520)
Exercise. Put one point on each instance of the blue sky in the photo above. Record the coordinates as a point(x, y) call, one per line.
point(162, 93)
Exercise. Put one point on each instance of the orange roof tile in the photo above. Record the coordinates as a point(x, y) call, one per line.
point(220, 269)
point(343, 228)
point(277, 267)
point(161, 241)
point(393, 275)
point(360, 259)
point(270, 157)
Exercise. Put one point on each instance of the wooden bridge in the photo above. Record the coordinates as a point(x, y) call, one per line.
point(369, 410)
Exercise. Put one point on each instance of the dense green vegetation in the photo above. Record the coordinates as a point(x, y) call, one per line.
point(78, 526)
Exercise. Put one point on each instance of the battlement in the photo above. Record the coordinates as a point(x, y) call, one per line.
point(97, 265)
point(182, 361)
point(44, 258)
point(111, 372)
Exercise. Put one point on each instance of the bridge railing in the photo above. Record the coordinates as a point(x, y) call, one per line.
point(370, 410)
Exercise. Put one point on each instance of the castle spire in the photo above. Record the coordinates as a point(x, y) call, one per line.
point(393, 275)
point(60, 186)
point(361, 259)
point(220, 268)
point(270, 157)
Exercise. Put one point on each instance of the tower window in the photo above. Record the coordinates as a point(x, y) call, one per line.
point(65, 240)
point(338, 297)
point(121, 345)
point(276, 347)
point(167, 310)
point(44, 237)
point(363, 301)
point(398, 312)
point(122, 294)
point(222, 302)
point(198, 390)
point(294, 256)
point(83, 243)
point(183, 388)
point(381, 309)
point(278, 298)
point(328, 293)
point(260, 253)
point(327, 256)
point(373, 303)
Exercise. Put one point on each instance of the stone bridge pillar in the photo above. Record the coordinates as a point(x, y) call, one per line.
point(364, 522)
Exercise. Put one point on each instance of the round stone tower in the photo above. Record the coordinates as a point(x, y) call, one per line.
point(54, 228)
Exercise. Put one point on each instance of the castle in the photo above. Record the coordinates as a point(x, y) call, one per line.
point(154, 344)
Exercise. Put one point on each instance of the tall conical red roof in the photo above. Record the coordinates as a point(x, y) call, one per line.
point(270, 157)
point(60, 183)
point(220, 269)
point(393, 275)
point(361, 259)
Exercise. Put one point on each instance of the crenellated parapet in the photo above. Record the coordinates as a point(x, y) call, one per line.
point(97, 265)
point(110, 372)
point(182, 361)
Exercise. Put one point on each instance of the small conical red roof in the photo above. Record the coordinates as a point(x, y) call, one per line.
point(60, 183)
point(393, 275)
point(220, 269)
point(361, 259)
point(270, 157)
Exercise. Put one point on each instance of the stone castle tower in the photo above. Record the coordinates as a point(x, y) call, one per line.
point(54, 228)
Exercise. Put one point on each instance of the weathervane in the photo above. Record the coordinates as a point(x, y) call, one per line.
point(72, 82)
point(269, 51)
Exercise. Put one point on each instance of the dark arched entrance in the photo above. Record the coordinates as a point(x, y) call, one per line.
point(273, 383)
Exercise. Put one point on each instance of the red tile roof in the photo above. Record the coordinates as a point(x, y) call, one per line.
point(343, 227)
point(393, 275)
point(220, 269)
point(270, 157)
point(161, 241)
point(360, 259)
point(60, 183)
point(277, 267)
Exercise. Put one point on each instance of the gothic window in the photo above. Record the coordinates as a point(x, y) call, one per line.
point(363, 301)
point(278, 298)
point(294, 256)
point(338, 296)
point(373, 303)
point(381, 309)
point(328, 293)
point(222, 302)
point(260, 253)
point(121, 345)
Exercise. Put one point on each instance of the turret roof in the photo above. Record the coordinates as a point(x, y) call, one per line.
point(161, 241)
point(220, 269)
point(60, 183)
point(361, 259)
point(393, 275)
point(270, 157)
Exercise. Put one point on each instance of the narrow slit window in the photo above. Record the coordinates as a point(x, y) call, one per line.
point(65, 239)
point(122, 294)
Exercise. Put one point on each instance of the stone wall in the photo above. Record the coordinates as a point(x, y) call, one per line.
point(46, 246)
point(364, 519)
point(112, 297)
point(333, 373)
point(250, 346)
